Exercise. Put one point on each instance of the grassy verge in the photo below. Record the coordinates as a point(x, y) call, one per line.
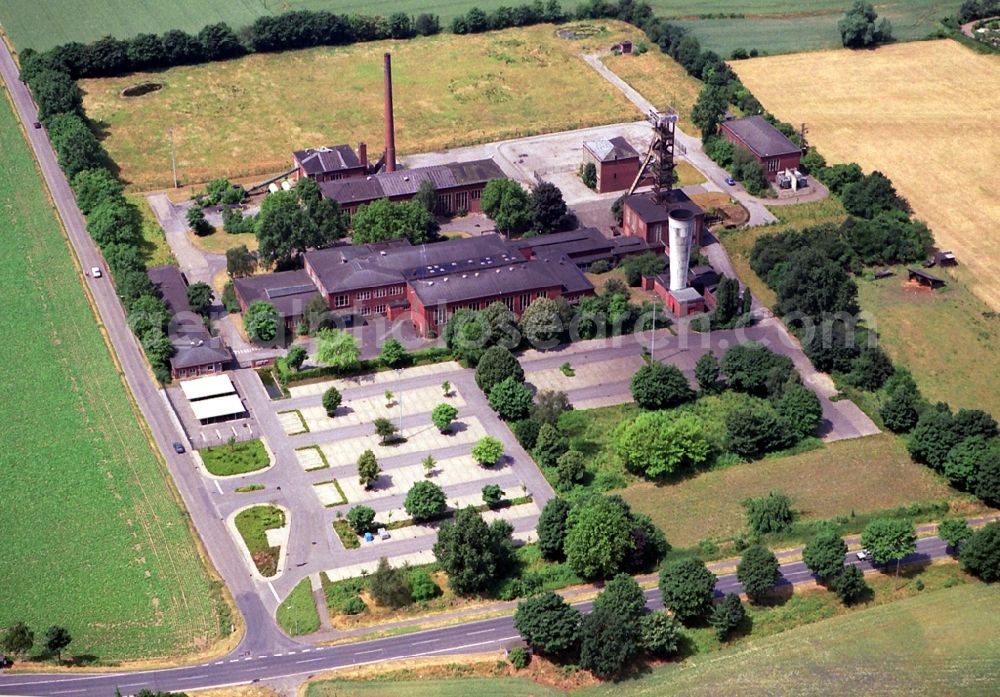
point(322, 456)
point(154, 247)
point(248, 488)
point(302, 420)
point(297, 614)
point(347, 536)
point(336, 485)
point(253, 524)
point(235, 458)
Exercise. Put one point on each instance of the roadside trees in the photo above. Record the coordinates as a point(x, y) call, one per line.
point(552, 527)
point(425, 501)
point(981, 553)
point(849, 585)
point(824, 555)
point(660, 386)
point(889, 540)
point(660, 633)
point(687, 587)
point(954, 531)
point(598, 538)
point(442, 416)
point(548, 623)
point(727, 616)
point(368, 469)
point(388, 586)
point(56, 639)
point(331, 400)
point(473, 553)
point(623, 596)
point(18, 639)
point(758, 572)
point(607, 641)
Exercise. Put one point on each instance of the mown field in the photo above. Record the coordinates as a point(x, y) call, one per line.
point(922, 114)
point(245, 117)
point(769, 25)
point(93, 538)
point(662, 81)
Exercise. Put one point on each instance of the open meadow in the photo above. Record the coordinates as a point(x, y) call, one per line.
point(926, 114)
point(93, 537)
point(245, 117)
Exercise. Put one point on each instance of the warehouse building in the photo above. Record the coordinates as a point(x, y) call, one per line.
point(771, 148)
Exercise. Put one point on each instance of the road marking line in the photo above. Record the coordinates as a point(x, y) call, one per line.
point(428, 641)
point(218, 663)
point(306, 650)
point(217, 485)
point(234, 660)
point(481, 631)
point(309, 660)
point(362, 653)
point(192, 677)
point(66, 692)
point(248, 658)
point(291, 653)
point(273, 592)
point(278, 655)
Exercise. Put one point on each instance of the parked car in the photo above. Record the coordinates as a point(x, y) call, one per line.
point(95, 271)
point(730, 181)
point(863, 554)
point(37, 124)
point(178, 448)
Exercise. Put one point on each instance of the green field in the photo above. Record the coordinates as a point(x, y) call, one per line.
point(238, 458)
point(297, 614)
point(93, 538)
point(769, 25)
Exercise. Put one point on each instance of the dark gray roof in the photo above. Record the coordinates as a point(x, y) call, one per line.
point(172, 286)
point(652, 212)
point(288, 291)
point(608, 150)
point(191, 354)
point(763, 139)
point(332, 158)
point(406, 182)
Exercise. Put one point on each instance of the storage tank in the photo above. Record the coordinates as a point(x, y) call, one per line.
point(680, 229)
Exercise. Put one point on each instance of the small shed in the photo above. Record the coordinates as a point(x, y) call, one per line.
point(925, 279)
point(945, 258)
point(624, 46)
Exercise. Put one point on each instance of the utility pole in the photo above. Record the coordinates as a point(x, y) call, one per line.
point(173, 155)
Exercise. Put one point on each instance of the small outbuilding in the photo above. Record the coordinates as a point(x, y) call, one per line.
point(925, 279)
point(945, 258)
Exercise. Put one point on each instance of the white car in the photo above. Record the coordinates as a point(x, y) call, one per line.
point(96, 272)
point(863, 554)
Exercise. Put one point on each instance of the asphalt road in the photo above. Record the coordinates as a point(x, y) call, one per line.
point(469, 637)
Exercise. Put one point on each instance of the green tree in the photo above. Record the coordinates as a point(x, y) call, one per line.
point(660, 386)
point(241, 262)
point(687, 587)
point(261, 321)
point(492, 495)
point(815, 285)
point(75, 144)
point(548, 623)
point(427, 196)
point(850, 585)
point(115, 221)
point(824, 554)
point(95, 186)
point(506, 203)
point(196, 221)
point(800, 409)
point(706, 372)
point(858, 27)
point(428, 465)
point(709, 109)
point(56, 639)
point(393, 354)
point(18, 639)
point(570, 469)
point(199, 297)
point(296, 356)
point(488, 451)
point(889, 540)
point(932, 439)
point(422, 586)
point(871, 369)
point(623, 596)
point(981, 553)
point(588, 175)
point(988, 479)
point(389, 587)
point(384, 220)
point(767, 514)
point(425, 501)
point(473, 554)
point(552, 527)
point(148, 314)
point(660, 634)
point(727, 616)
point(519, 657)
point(598, 538)
point(541, 323)
point(368, 469)
point(442, 416)
point(899, 413)
point(758, 572)
point(55, 92)
point(607, 642)
point(497, 364)
point(549, 446)
point(954, 531)
point(331, 400)
point(550, 405)
point(752, 431)
point(502, 323)
point(284, 229)
point(727, 303)
point(753, 367)
point(659, 443)
point(338, 349)
point(468, 335)
point(547, 208)
point(361, 519)
point(965, 460)
point(510, 399)
point(385, 429)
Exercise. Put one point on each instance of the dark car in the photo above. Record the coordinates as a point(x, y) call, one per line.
point(178, 448)
point(37, 124)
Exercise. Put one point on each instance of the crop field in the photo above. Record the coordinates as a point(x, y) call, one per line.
point(93, 538)
point(861, 475)
point(245, 117)
point(936, 136)
point(769, 25)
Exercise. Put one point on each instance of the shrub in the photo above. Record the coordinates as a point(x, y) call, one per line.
point(600, 266)
point(767, 514)
point(442, 416)
point(519, 657)
point(570, 469)
point(353, 606)
point(727, 616)
point(752, 431)
point(392, 354)
point(389, 586)
point(422, 586)
point(511, 399)
point(588, 175)
point(487, 451)
point(361, 518)
point(331, 400)
point(496, 365)
point(526, 432)
point(425, 501)
point(850, 585)
point(660, 386)
point(492, 495)
point(659, 443)
point(549, 446)
point(660, 633)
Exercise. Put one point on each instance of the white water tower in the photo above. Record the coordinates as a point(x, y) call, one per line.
point(681, 225)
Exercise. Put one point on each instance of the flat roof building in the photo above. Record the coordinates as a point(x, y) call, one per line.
point(646, 218)
point(616, 161)
point(771, 148)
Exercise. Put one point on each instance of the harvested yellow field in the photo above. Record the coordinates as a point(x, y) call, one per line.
point(243, 118)
point(927, 114)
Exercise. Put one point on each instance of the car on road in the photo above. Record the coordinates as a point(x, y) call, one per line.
point(95, 271)
point(37, 124)
point(863, 554)
point(730, 181)
point(178, 448)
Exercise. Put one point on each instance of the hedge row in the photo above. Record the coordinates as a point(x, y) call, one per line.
point(419, 357)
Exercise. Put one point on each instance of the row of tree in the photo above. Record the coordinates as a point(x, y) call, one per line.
point(476, 21)
point(19, 639)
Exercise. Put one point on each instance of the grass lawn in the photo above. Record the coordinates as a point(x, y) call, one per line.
point(154, 247)
point(245, 117)
point(661, 80)
point(238, 458)
point(297, 614)
point(94, 538)
point(220, 241)
point(906, 110)
point(253, 524)
point(482, 687)
point(947, 338)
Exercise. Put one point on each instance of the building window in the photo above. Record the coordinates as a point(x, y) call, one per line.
point(462, 200)
point(342, 300)
point(509, 302)
point(381, 309)
point(445, 202)
point(396, 290)
point(772, 165)
point(440, 315)
point(381, 292)
point(525, 300)
point(366, 311)
point(362, 295)
point(475, 194)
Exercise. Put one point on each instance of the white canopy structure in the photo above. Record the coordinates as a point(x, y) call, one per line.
point(209, 386)
point(227, 405)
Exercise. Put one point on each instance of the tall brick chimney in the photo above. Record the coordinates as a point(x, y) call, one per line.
point(363, 154)
point(390, 136)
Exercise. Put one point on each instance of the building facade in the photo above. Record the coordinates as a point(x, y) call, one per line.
point(769, 146)
point(330, 163)
point(616, 161)
point(646, 218)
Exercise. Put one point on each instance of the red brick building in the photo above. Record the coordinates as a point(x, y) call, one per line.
point(616, 161)
point(330, 163)
point(645, 218)
point(458, 185)
point(772, 149)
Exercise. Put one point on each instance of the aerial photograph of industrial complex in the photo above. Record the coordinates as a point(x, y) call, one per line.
point(528, 348)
